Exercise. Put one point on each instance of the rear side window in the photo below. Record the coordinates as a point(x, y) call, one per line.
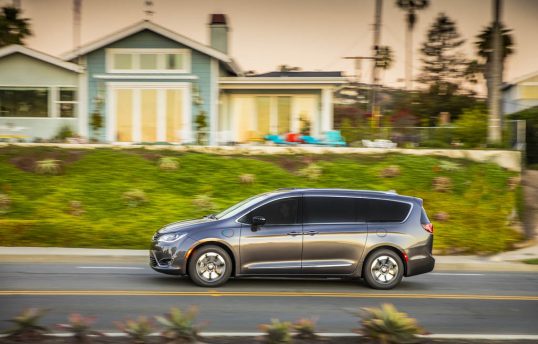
point(329, 210)
point(279, 212)
point(378, 210)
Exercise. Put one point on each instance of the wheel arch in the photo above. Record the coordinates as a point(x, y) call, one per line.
point(215, 242)
point(400, 252)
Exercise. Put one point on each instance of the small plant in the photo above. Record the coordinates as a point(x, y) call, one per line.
point(179, 325)
point(75, 208)
point(441, 216)
point(386, 325)
point(442, 184)
point(135, 197)
point(305, 328)
point(168, 163)
point(138, 330)
point(312, 171)
point(204, 202)
point(5, 203)
point(247, 178)
point(449, 166)
point(390, 171)
point(277, 332)
point(48, 166)
point(26, 328)
point(80, 326)
point(63, 133)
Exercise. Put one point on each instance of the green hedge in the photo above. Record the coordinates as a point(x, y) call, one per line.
point(39, 212)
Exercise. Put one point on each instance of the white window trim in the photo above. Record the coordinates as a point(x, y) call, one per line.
point(136, 60)
point(57, 102)
point(52, 102)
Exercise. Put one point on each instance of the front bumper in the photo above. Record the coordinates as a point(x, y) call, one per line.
point(169, 258)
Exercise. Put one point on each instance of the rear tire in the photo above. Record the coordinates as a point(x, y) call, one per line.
point(383, 269)
point(210, 266)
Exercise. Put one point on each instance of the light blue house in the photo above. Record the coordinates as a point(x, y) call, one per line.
point(148, 84)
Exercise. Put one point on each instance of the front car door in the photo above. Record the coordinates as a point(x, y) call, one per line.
point(334, 234)
point(274, 248)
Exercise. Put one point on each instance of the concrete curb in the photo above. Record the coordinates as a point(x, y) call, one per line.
point(62, 254)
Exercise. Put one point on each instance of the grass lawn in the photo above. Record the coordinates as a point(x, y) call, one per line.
point(533, 261)
point(85, 204)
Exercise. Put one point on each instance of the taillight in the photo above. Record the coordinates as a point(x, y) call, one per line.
point(428, 227)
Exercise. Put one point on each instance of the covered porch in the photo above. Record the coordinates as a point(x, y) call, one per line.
point(253, 107)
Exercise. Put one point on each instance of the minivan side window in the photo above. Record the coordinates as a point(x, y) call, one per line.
point(279, 212)
point(329, 210)
point(380, 210)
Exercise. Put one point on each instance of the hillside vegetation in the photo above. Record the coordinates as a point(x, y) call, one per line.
point(117, 198)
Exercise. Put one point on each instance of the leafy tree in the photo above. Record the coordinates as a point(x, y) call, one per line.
point(411, 7)
point(13, 29)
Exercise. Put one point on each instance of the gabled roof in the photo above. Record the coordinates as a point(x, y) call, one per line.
point(147, 25)
point(15, 48)
point(305, 74)
point(523, 78)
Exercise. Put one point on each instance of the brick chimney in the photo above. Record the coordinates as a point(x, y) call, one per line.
point(218, 32)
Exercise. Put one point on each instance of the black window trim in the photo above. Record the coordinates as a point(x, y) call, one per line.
point(299, 211)
point(360, 222)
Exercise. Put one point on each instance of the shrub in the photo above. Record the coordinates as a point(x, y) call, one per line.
point(386, 325)
point(75, 208)
point(204, 202)
point(390, 171)
point(312, 172)
point(48, 166)
point(442, 184)
point(138, 330)
point(306, 328)
point(247, 178)
point(471, 128)
point(5, 203)
point(134, 197)
point(277, 332)
point(80, 326)
point(168, 163)
point(63, 133)
point(26, 328)
point(179, 325)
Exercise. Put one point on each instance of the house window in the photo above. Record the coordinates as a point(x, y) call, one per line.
point(67, 102)
point(148, 60)
point(38, 102)
point(24, 102)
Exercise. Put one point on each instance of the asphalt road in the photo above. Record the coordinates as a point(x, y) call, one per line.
point(443, 302)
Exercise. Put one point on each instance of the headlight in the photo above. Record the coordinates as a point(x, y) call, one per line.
point(171, 237)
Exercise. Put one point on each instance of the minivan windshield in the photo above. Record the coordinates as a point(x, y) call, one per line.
point(239, 207)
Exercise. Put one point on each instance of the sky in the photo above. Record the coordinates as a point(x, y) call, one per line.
point(310, 34)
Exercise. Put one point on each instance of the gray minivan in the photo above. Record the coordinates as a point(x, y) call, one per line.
point(379, 236)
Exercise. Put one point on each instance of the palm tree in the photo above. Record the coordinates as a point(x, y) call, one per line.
point(13, 29)
point(410, 6)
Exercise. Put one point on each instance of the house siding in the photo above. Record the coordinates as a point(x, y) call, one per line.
point(96, 65)
point(19, 70)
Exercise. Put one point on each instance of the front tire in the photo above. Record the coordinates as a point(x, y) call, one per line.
point(210, 266)
point(383, 269)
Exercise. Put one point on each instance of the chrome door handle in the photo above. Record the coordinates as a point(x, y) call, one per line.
point(311, 233)
point(294, 233)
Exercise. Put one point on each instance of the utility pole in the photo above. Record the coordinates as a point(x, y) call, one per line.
point(358, 60)
point(374, 107)
point(495, 120)
point(76, 26)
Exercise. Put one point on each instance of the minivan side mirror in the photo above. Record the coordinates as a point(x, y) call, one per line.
point(258, 221)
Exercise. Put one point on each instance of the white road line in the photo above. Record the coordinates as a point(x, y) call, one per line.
point(111, 267)
point(453, 274)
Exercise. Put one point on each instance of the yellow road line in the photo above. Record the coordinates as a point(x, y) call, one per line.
point(215, 293)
